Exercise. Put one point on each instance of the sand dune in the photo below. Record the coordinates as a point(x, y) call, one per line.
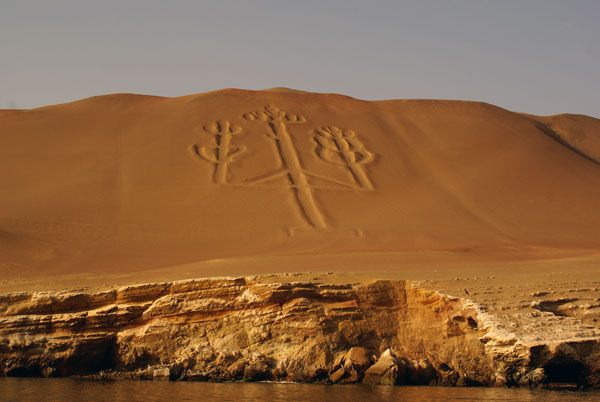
point(120, 183)
point(578, 131)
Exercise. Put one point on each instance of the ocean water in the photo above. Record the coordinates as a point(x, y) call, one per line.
point(54, 390)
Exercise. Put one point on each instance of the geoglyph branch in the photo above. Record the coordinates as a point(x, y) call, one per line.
point(272, 114)
point(220, 151)
point(277, 120)
point(341, 146)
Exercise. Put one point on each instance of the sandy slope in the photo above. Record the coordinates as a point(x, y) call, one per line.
point(121, 183)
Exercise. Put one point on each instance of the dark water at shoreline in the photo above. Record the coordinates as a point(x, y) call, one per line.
point(55, 390)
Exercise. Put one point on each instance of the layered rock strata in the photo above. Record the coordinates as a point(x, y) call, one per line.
point(227, 329)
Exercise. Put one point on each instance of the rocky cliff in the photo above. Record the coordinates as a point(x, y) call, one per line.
point(222, 329)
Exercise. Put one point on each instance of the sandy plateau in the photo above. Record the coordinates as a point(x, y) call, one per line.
point(292, 236)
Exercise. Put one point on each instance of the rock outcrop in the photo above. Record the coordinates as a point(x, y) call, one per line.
point(227, 329)
point(384, 372)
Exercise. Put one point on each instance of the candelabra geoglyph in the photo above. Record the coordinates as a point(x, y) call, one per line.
point(333, 145)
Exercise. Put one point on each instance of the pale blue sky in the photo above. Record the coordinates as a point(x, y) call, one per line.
point(535, 56)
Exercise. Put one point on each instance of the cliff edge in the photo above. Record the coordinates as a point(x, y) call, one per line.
point(247, 328)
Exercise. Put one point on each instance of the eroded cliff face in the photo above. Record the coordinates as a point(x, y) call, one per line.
point(385, 332)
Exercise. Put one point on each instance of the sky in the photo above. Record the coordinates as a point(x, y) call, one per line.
point(534, 56)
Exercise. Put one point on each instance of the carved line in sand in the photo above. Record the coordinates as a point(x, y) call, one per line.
point(219, 151)
point(278, 120)
point(334, 145)
point(341, 146)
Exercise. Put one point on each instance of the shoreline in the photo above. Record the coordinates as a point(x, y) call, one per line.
point(381, 331)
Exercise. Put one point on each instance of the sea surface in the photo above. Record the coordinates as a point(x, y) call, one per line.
point(51, 390)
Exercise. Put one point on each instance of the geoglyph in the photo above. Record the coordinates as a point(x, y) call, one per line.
point(337, 146)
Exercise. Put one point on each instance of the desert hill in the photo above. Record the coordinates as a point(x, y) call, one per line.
point(578, 131)
point(129, 182)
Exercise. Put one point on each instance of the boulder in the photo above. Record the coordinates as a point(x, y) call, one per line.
point(236, 370)
point(161, 373)
point(337, 375)
point(350, 366)
point(538, 377)
point(358, 359)
point(385, 371)
point(351, 376)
